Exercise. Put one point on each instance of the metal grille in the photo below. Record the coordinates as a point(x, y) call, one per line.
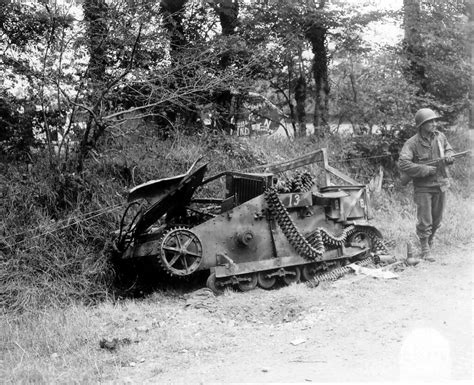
point(246, 187)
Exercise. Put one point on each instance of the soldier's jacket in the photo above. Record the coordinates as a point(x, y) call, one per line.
point(419, 149)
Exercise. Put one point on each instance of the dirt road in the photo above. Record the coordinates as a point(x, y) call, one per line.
point(416, 327)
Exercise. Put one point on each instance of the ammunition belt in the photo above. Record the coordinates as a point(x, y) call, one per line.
point(334, 241)
point(301, 182)
point(378, 246)
point(313, 246)
point(311, 251)
point(337, 273)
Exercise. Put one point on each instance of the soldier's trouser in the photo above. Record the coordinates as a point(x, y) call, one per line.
point(429, 211)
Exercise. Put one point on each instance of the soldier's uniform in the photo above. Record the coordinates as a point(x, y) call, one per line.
point(430, 190)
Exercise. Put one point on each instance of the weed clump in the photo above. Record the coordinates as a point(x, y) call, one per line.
point(54, 239)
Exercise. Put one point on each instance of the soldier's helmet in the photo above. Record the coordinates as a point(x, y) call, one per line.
point(424, 115)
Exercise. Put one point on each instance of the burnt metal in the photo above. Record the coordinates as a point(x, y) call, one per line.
point(254, 233)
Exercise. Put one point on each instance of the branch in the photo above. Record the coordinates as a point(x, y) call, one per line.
point(88, 109)
point(127, 70)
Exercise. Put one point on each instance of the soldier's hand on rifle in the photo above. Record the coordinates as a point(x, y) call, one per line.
point(431, 170)
point(449, 159)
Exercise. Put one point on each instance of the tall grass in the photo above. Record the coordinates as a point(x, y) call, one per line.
point(51, 251)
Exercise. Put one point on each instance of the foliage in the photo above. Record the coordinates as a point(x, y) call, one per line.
point(16, 128)
point(444, 57)
point(372, 97)
point(78, 104)
point(52, 248)
point(48, 51)
point(26, 31)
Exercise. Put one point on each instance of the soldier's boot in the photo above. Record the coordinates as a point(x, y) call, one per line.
point(425, 250)
point(431, 240)
point(411, 259)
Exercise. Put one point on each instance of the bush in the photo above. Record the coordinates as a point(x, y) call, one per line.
point(55, 238)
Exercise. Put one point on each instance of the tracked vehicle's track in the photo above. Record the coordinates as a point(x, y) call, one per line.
point(330, 240)
point(337, 273)
point(378, 245)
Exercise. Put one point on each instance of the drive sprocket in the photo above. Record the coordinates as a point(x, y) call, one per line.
point(180, 252)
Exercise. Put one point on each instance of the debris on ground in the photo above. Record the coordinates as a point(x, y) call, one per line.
point(298, 341)
point(201, 299)
point(376, 273)
point(114, 343)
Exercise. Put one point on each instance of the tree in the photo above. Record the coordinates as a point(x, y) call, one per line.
point(227, 99)
point(470, 49)
point(413, 44)
point(437, 55)
point(173, 15)
point(274, 34)
point(316, 33)
point(96, 18)
point(30, 35)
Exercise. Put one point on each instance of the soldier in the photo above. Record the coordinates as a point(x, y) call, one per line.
point(430, 182)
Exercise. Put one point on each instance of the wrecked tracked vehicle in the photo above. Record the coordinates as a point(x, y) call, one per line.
point(262, 230)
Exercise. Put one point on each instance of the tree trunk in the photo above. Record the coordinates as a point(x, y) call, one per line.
point(96, 18)
point(173, 12)
point(413, 45)
point(226, 100)
point(316, 34)
point(228, 12)
point(470, 48)
point(300, 97)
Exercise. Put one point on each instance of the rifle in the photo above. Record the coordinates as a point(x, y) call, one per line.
point(405, 178)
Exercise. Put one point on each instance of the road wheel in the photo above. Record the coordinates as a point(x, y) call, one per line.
point(308, 272)
point(214, 284)
point(265, 281)
point(249, 282)
point(292, 275)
